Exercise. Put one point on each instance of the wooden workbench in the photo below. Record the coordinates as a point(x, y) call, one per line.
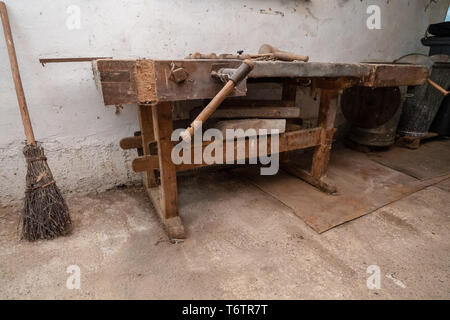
point(155, 84)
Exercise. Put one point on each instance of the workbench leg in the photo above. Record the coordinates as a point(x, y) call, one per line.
point(147, 135)
point(321, 156)
point(289, 92)
point(327, 115)
point(165, 197)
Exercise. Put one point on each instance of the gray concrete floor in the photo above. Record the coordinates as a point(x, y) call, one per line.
point(242, 243)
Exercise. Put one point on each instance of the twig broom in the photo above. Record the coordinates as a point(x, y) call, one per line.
point(45, 214)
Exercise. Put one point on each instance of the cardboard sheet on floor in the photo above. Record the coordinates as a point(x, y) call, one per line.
point(363, 186)
point(431, 160)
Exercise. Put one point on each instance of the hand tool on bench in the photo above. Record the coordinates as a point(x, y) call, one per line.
point(241, 72)
point(278, 55)
point(281, 55)
point(45, 214)
point(266, 52)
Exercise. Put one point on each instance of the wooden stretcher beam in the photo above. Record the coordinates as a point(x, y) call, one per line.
point(131, 143)
point(293, 140)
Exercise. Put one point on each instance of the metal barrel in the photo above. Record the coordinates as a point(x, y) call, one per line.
point(423, 102)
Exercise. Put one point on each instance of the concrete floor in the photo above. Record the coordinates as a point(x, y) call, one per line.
point(242, 243)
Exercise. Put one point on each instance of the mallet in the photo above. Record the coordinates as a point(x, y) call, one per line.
point(239, 75)
point(281, 55)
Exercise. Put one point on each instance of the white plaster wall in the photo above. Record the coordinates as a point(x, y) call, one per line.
point(81, 136)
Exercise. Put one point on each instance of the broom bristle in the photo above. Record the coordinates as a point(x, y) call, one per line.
point(45, 214)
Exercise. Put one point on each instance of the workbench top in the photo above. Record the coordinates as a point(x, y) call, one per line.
point(151, 81)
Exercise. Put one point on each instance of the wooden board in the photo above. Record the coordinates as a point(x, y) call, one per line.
point(244, 108)
point(251, 124)
point(370, 74)
point(273, 112)
point(444, 185)
point(149, 81)
point(393, 75)
point(281, 69)
point(118, 78)
point(198, 85)
point(287, 141)
point(162, 124)
point(115, 80)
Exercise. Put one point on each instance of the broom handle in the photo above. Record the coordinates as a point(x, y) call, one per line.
point(16, 76)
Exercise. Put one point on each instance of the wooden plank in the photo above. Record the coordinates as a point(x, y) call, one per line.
point(257, 112)
point(118, 82)
point(114, 65)
point(248, 103)
point(371, 74)
point(255, 124)
point(115, 93)
point(392, 75)
point(327, 115)
point(293, 140)
point(115, 80)
point(281, 69)
point(163, 127)
point(147, 135)
point(145, 163)
point(239, 108)
point(173, 225)
point(149, 81)
point(287, 141)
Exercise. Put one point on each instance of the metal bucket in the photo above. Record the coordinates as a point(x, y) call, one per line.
point(423, 102)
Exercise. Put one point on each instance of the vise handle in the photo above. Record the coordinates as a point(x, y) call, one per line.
point(241, 72)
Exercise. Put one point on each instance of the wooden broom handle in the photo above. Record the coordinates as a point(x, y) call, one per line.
point(281, 55)
point(16, 76)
